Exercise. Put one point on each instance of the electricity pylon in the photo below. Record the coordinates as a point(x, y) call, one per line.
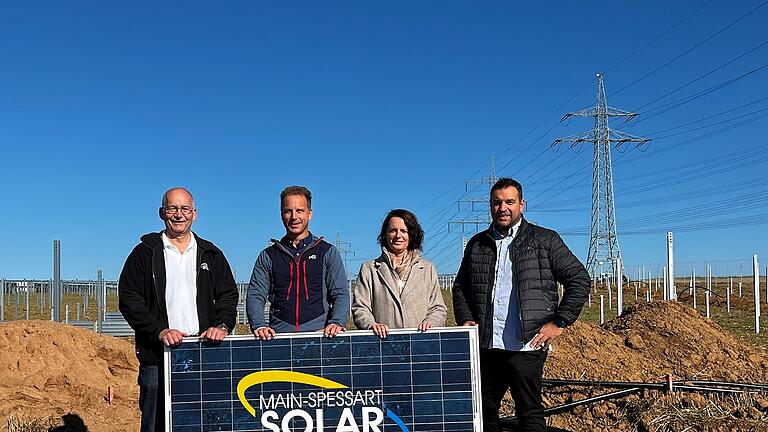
point(340, 245)
point(483, 221)
point(603, 236)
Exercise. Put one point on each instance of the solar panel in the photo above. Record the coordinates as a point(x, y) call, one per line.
point(354, 382)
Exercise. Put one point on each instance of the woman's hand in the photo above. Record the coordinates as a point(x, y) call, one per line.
point(424, 326)
point(380, 330)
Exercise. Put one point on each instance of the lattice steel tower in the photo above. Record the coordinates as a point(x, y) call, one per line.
point(603, 239)
point(480, 222)
point(340, 245)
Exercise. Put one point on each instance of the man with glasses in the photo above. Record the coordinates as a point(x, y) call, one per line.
point(173, 284)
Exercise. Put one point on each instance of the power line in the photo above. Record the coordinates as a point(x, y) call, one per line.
point(442, 214)
point(689, 50)
point(736, 158)
point(702, 76)
point(751, 200)
point(687, 84)
point(618, 159)
point(677, 146)
point(677, 24)
point(557, 111)
point(680, 102)
point(696, 139)
point(524, 151)
point(654, 200)
point(750, 114)
point(710, 116)
point(755, 220)
point(506, 150)
point(701, 212)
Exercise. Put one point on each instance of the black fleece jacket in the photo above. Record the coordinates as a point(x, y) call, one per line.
point(141, 290)
point(541, 259)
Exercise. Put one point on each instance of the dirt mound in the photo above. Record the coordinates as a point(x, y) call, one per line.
point(651, 340)
point(647, 342)
point(51, 369)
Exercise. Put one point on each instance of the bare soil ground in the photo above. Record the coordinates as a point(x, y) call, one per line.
point(647, 342)
point(50, 370)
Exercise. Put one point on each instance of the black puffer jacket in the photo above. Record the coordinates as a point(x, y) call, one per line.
point(541, 259)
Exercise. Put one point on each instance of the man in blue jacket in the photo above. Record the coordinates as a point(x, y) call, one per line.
point(302, 277)
point(173, 284)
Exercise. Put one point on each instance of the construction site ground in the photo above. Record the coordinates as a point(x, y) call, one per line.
point(50, 370)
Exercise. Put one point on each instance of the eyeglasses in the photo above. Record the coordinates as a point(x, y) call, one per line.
point(173, 209)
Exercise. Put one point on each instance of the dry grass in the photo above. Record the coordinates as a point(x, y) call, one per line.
point(654, 411)
point(44, 424)
point(697, 412)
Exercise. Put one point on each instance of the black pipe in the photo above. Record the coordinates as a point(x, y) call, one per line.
point(731, 384)
point(620, 384)
point(630, 388)
point(683, 387)
point(621, 393)
point(567, 407)
point(607, 384)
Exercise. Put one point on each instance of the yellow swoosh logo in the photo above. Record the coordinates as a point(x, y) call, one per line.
point(280, 376)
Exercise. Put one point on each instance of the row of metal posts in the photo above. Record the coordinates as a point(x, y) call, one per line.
point(31, 287)
point(692, 291)
point(669, 289)
point(55, 294)
point(17, 300)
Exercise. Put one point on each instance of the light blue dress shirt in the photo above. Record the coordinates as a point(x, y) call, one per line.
point(507, 325)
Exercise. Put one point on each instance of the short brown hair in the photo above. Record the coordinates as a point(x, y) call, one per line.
point(297, 190)
point(415, 232)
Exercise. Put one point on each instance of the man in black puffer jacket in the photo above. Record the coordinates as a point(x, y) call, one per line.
point(507, 286)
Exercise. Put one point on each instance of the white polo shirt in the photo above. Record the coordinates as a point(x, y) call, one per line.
point(181, 286)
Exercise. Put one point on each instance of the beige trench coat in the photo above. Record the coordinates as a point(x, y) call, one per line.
point(376, 296)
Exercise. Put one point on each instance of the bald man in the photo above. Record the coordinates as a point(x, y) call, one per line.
point(173, 284)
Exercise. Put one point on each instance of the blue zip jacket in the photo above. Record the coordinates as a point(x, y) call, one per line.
point(306, 286)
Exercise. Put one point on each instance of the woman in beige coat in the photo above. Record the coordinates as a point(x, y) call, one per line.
point(399, 289)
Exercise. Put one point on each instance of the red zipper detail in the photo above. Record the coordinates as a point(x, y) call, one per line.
point(298, 280)
point(297, 309)
point(290, 282)
point(298, 290)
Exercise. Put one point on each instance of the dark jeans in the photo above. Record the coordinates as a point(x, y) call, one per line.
point(151, 399)
point(520, 372)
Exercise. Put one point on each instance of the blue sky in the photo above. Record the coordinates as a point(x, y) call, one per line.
point(374, 106)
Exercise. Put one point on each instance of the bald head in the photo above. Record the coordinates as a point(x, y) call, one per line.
point(178, 212)
point(175, 192)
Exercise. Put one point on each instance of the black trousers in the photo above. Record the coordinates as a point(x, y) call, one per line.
point(520, 372)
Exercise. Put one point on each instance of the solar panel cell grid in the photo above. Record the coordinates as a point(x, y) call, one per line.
point(410, 381)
